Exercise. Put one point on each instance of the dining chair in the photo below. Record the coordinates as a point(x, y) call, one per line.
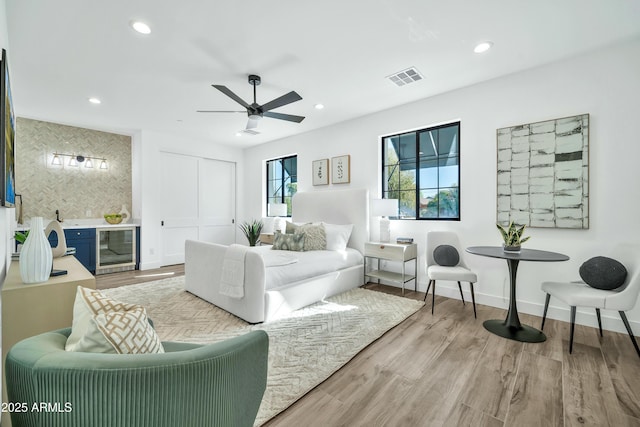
point(579, 294)
point(457, 273)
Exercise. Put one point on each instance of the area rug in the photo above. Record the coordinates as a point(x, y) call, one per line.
point(305, 347)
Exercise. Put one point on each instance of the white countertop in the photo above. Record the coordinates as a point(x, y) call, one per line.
point(84, 223)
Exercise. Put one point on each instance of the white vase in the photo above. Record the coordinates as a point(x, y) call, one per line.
point(125, 214)
point(36, 258)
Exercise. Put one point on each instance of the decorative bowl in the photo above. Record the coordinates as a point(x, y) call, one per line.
point(113, 218)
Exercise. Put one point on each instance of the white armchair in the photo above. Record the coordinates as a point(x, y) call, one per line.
point(458, 273)
point(580, 294)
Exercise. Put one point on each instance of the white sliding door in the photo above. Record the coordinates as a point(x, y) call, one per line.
point(199, 203)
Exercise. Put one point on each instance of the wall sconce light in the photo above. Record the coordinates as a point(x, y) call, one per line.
point(76, 159)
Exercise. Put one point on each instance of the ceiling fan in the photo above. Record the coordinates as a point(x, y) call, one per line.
point(256, 111)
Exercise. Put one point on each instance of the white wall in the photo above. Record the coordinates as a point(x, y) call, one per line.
point(149, 197)
point(605, 84)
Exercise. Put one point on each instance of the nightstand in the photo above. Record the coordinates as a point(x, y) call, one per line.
point(392, 252)
point(266, 239)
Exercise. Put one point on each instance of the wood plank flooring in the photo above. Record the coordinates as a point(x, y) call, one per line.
point(447, 370)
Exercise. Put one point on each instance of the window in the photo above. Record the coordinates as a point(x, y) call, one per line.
point(422, 169)
point(282, 181)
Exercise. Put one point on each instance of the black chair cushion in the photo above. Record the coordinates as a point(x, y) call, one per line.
point(603, 273)
point(446, 256)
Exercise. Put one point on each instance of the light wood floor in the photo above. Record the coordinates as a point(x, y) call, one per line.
point(447, 370)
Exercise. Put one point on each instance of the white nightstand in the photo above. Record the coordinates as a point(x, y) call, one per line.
point(392, 252)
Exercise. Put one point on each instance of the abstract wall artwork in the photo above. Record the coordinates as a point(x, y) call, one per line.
point(543, 173)
point(320, 172)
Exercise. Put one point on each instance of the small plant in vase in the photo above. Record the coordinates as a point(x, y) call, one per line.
point(252, 231)
point(512, 236)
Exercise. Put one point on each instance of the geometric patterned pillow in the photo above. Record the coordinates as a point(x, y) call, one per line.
point(129, 332)
point(288, 242)
point(92, 325)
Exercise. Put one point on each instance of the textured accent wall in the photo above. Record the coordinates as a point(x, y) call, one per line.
point(72, 190)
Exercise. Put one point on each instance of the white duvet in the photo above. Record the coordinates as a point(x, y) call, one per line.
point(285, 267)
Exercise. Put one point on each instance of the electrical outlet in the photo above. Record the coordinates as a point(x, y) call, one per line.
point(87, 213)
point(151, 251)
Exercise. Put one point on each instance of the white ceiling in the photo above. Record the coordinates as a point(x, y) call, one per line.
point(333, 52)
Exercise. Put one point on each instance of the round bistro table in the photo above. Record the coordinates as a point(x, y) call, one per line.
point(511, 327)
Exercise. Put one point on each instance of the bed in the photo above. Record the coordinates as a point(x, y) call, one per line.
point(270, 291)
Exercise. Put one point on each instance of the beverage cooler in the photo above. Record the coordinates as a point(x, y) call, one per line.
point(116, 249)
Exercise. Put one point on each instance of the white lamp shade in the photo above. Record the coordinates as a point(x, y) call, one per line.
point(277, 209)
point(384, 207)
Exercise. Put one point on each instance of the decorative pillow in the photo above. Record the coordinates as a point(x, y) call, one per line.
point(288, 242)
point(603, 273)
point(446, 256)
point(96, 318)
point(315, 238)
point(291, 228)
point(337, 236)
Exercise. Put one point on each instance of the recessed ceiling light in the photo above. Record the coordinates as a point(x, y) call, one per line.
point(95, 100)
point(140, 27)
point(482, 47)
point(238, 133)
point(319, 106)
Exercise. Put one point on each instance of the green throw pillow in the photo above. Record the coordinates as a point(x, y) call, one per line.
point(288, 242)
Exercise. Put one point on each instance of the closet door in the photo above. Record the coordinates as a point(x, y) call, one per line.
point(199, 203)
point(217, 201)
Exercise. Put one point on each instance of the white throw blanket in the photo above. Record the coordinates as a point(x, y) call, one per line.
point(232, 280)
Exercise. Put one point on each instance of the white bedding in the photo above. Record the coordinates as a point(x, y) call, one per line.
point(309, 264)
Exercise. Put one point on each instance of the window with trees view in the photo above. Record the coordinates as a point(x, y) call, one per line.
point(422, 170)
point(282, 181)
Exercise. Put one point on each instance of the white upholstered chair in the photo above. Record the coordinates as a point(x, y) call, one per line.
point(579, 294)
point(458, 273)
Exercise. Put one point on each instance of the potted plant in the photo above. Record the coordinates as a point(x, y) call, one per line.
point(252, 231)
point(512, 236)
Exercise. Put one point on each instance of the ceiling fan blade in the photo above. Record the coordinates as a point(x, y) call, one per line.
point(252, 124)
point(283, 100)
point(231, 95)
point(219, 111)
point(288, 117)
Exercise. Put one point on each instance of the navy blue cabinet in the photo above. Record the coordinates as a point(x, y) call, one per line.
point(84, 240)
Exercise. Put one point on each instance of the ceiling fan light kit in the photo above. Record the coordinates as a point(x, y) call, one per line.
point(255, 111)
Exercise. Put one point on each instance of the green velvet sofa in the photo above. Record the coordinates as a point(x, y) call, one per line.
point(190, 385)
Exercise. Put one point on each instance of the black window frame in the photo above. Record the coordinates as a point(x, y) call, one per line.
point(283, 196)
point(417, 156)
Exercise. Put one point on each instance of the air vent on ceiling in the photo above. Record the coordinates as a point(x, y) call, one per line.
point(250, 131)
point(404, 77)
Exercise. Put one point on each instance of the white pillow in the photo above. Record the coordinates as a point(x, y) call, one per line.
point(103, 325)
point(337, 236)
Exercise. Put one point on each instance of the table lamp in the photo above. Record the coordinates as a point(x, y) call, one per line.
point(384, 208)
point(277, 209)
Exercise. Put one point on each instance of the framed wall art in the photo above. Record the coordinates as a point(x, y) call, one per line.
point(543, 173)
point(320, 172)
point(341, 169)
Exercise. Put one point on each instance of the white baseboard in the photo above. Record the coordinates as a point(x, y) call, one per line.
point(149, 265)
point(610, 319)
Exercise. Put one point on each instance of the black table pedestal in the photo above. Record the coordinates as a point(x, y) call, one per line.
point(523, 334)
point(511, 327)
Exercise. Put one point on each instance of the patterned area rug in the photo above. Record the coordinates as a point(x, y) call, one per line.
point(305, 347)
